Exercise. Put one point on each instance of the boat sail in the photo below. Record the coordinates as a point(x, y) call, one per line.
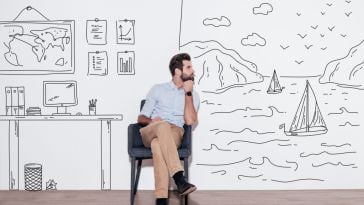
point(274, 86)
point(308, 119)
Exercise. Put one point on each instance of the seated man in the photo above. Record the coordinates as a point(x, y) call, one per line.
point(167, 108)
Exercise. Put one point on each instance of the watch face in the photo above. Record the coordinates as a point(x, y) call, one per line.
point(189, 93)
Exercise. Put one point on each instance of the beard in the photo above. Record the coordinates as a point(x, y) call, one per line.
point(186, 77)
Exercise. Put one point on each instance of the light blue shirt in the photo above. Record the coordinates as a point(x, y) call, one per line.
point(168, 102)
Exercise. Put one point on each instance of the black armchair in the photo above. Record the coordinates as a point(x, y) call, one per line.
point(138, 152)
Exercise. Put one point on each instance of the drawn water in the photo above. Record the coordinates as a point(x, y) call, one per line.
point(246, 143)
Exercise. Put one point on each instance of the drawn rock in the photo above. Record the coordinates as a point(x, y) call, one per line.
point(347, 71)
point(218, 68)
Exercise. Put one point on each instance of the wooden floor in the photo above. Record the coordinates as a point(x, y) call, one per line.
point(311, 197)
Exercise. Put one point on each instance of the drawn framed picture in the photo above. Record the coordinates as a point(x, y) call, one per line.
point(37, 47)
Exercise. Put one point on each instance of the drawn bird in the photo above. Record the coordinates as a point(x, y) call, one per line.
point(299, 14)
point(314, 27)
point(348, 14)
point(331, 29)
point(348, 1)
point(299, 62)
point(343, 35)
point(284, 47)
point(324, 48)
point(302, 36)
point(329, 4)
point(322, 35)
point(323, 13)
point(308, 46)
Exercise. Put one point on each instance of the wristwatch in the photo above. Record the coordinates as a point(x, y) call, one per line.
point(189, 93)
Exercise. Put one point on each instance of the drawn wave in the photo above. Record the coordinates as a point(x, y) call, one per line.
point(216, 147)
point(342, 111)
point(325, 152)
point(245, 141)
point(254, 90)
point(296, 180)
point(272, 110)
point(327, 145)
point(349, 124)
point(249, 159)
point(224, 164)
point(295, 163)
point(207, 102)
point(243, 130)
point(334, 164)
point(263, 161)
point(246, 176)
point(240, 109)
point(223, 172)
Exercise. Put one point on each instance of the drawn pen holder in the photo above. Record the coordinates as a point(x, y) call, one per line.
point(92, 110)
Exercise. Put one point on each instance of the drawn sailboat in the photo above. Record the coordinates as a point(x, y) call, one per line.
point(274, 86)
point(308, 119)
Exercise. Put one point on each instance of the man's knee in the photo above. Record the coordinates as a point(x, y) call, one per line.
point(163, 127)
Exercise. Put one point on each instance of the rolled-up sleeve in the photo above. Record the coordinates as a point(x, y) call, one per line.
point(150, 102)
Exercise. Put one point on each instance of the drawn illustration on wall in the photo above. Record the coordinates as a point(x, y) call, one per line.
point(263, 9)
point(51, 185)
point(15, 100)
point(253, 39)
point(96, 32)
point(98, 63)
point(217, 22)
point(125, 31)
point(308, 119)
point(36, 46)
point(60, 94)
point(33, 177)
point(327, 116)
point(274, 86)
point(126, 63)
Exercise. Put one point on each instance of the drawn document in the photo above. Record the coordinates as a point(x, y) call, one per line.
point(126, 61)
point(96, 32)
point(125, 31)
point(97, 63)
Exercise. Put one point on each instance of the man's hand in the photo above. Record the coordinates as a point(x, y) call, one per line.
point(188, 85)
point(156, 119)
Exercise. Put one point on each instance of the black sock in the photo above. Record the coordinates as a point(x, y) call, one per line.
point(179, 178)
point(161, 201)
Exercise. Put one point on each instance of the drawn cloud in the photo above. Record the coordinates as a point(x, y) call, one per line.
point(217, 22)
point(253, 40)
point(347, 71)
point(264, 9)
point(220, 68)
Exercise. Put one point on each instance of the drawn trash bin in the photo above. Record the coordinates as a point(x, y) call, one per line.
point(33, 177)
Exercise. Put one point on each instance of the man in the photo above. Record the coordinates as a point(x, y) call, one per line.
point(167, 107)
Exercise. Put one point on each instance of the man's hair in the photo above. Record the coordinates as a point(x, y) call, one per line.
point(177, 62)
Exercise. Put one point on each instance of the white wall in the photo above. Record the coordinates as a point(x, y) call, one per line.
point(237, 143)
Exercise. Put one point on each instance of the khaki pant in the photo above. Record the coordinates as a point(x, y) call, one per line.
point(163, 139)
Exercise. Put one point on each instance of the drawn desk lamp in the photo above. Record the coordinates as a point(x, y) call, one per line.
point(60, 94)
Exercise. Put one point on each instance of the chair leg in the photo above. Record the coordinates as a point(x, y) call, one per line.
point(185, 164)
point(132, 181)
point(137, 175)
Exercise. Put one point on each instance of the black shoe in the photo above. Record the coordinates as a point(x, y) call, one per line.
point(161, 201)
point(185, 188)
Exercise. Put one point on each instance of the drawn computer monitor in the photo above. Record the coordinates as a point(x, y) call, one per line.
point(60, 94)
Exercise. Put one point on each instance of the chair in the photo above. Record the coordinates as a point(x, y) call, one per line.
point(138, 152)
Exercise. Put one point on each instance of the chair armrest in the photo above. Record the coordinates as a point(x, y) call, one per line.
point(134, 137)
point(187, 138)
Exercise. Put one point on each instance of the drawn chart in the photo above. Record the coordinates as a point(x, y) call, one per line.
point(126, 63)
point(125, 31)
